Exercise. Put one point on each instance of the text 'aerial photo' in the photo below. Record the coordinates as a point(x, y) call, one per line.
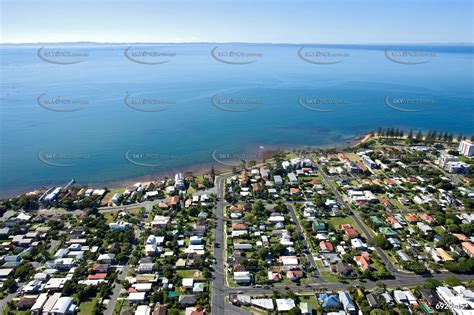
point(227, 157)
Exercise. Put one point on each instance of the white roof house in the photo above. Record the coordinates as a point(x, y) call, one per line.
point(188, 282)
point(64, 305)
point(285, 304)
point(292, 178)
point(142, 287)
point(136, 296)
point(278, 180)
point(51, 302)
point(266, 304)
point(55, 283)
point(39, 302)
point(289, 260)
point(242, 277)
point(357, 243)
point(143, 310)
point(5, 272)
point(23, 217)
point(119, 226)
point(195, 240)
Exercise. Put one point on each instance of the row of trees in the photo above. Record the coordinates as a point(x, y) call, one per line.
point(430, 136)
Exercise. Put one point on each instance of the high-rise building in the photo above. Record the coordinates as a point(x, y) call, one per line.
point(466, 148)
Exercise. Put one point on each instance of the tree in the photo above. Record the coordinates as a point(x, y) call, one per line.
point(23, 271)
point(419, 136)
point(381, 241)
point(416, 266)
point(452, 281)
point(10, 284)
point(431, 284)
point(294, 311)
point(381, 284)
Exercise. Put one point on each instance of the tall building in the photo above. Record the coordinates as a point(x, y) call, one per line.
point(179, 181)
point(466, 148)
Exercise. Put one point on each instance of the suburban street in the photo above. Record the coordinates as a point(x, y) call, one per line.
point(305, 243)
point(125, 268)
point(362, 227)
point(218, 283)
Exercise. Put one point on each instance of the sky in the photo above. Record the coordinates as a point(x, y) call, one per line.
point(256, 21)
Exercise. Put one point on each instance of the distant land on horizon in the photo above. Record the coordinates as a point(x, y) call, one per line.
point(226, 43)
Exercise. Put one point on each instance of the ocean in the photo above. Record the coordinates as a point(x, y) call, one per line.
point(103, 113)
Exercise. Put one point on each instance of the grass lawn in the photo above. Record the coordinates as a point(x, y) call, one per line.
point(336, 222)
point(87, 307)
point(326, 275)
point(190, 273)
point(117, 307)
point(368, 228)
point(110, 216)
point(311, 300)
point(231, 282)
point(254, 310)
point(439, 229)
point(135, 211)
point(121, 304)
point(325, 272)
point(353, 157)
point(110, 194)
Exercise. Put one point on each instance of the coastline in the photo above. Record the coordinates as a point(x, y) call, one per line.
point(195, 169)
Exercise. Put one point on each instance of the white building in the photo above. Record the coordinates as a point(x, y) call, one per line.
point(242, 277)
point(466, 148)
point(64, 305)
point(284, 305)
point(293, 179)
point(119, 226)
point(179, 181)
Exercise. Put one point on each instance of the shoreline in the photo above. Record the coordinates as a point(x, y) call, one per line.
point(195, 169)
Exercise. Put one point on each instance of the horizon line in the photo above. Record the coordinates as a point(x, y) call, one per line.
point(235, 42)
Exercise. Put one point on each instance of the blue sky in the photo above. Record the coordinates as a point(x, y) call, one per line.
point(323, 21)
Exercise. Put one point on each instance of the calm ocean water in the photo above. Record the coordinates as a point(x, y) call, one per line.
point(114, 115)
